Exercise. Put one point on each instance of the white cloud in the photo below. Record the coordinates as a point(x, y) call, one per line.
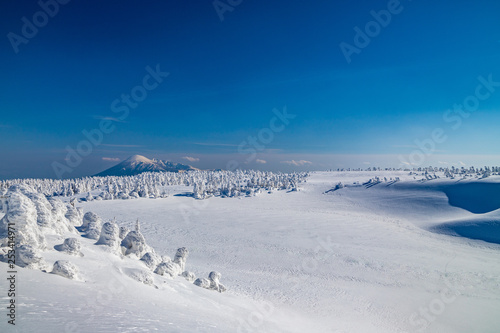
point(367, 163)
point(461, 163)
point(261, 161)
point(111, 159)
point(191, 159)
point(441, 162)
point(297, 163)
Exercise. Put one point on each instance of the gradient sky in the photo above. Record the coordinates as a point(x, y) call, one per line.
point(226, 77)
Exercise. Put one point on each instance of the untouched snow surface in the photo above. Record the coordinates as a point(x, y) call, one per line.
point(382, 257)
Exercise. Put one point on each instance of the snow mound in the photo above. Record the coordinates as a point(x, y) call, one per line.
point(70, 246)
point(65, 269)
point(140, 275)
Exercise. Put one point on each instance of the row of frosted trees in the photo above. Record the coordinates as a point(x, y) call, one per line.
point(154, 184)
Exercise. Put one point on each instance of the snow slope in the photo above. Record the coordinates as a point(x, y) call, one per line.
point(362, 258)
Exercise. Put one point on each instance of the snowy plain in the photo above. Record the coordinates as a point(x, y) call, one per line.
point(390, 257)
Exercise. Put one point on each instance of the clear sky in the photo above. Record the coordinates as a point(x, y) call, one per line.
point(353, 99)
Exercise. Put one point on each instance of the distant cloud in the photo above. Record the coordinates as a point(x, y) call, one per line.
point(367, 163)
point(461, 163)
point(111, 159)
point(191, 159)
point(297, 163)
point(260, 161)
point(441, 162)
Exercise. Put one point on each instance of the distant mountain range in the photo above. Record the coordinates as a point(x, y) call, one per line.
point(137, 164)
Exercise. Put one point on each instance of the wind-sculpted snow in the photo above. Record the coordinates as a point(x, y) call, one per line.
point(476, 197)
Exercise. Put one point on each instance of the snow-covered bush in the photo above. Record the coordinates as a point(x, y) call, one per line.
point(151, 260)
point(123, 232)
point(88, 218)
point(110, 235)
point(169, 269)
point(202, 282)
point(29, 257)
point(60, 222)
point(70, 246)
point(74, 216)
point(212, 283)
point(22, 214)
point(134, 243)
point(181, 257)
point(65, 269)
point(189, 276)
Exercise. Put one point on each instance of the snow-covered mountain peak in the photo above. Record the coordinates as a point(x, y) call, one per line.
point(137, 159)
point(137, 164)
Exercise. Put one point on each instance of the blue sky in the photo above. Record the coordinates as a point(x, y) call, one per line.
point(226, 78)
